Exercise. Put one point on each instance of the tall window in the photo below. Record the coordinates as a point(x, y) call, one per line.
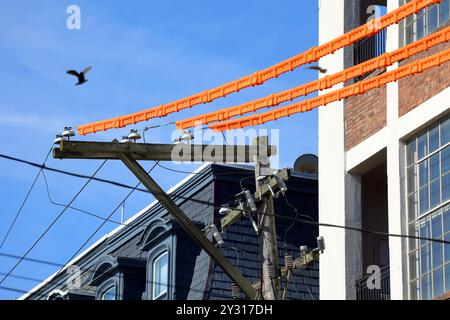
point(160, 276)
point(425, 22)
point(373, 46)
point(428, 194)
point(109, 293)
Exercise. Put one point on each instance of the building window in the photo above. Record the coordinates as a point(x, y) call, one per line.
point(160, 276)
point(428, 206)
point(425, 22)
point(109, 293)
point(371, 47)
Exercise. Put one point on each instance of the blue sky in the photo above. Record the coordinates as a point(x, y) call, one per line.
point(143, 53)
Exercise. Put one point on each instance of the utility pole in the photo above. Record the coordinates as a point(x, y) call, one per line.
point(187, 225)
point(270, 284)
point(129, 153)
point(267, 184)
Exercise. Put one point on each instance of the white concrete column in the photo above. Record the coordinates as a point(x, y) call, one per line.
point(332, 162)
point(395, 219)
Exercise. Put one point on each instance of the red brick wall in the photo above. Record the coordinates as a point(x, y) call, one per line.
point(415, 90)
point(364, 115)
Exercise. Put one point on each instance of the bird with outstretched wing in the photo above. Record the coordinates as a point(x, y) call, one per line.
point(80, 75)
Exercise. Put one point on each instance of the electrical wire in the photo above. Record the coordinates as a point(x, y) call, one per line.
point(158, 126)
point(197, 173)
point(111, 182)
point(296, 289)
point(236, 251)
point(144, 130)
point(225, 138)
point(310, 293)
point(50, 263)
point(105, 220)
point(143, 135)
point(237, 254)
point(243, 179)
point(280, 216)
point(273, 242)
point(369, 231)
point(103, 223)
point(22, 291)
point(310, 221)
point(330, 225)
point(373, 232)
point(25, 199)
point(86, 282)
point(22, 278)
point(68, 173)
point(52, 224)
point(13, 290)
point(297, 214)
point(71, 207)
point(175, 170)
point(12, 256)
point(117, 184)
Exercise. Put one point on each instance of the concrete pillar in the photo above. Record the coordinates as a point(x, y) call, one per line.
point(332, 162)
point(396, 215)
point(353, 239)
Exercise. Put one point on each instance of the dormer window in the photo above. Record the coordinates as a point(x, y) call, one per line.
point(118, 278)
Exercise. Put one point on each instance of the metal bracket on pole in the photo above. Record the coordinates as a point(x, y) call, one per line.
point(236, 213)
point(302, 262)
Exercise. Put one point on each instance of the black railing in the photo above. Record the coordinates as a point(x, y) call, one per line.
point(383, 293)
point(369, 48)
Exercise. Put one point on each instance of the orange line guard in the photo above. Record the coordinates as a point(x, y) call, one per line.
point(259, 77)
point(337, 95)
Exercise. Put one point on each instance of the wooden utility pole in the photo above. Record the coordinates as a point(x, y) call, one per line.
point(130, 153)
point(270, 284)
point(187, 225)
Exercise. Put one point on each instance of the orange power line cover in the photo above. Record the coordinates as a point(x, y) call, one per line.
point(337, 95)
point(327, 82)
point(259, 77)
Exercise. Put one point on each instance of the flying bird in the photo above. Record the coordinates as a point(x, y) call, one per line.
point(80, 75)
point(317, 68)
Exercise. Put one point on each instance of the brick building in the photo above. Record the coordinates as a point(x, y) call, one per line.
point(385, 161)
point(150, 257)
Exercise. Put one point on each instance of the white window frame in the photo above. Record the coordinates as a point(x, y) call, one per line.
point(421, 217)
point(154, 281)
point(413, 21)
point(109, 288)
